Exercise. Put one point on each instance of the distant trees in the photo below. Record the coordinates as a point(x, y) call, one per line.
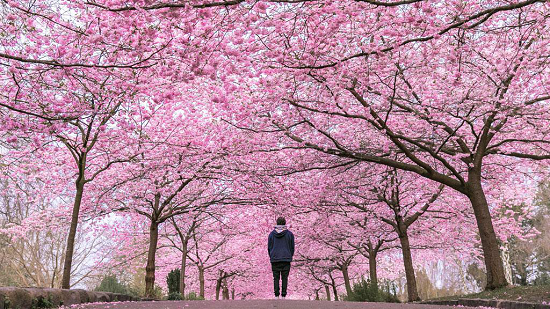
point(530, 258)
point(32, 237)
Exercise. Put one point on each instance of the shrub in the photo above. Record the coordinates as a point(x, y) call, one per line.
point(157, 292)
point(110, 284)
point(193, 296)
point(364, 291)
point(173, 280)
point(7, 303)
point(175, 296)
point(42, 302)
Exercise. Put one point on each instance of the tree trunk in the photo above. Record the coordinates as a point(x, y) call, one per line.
point(412, 291)
point(316, 294)
point(496, 277)
point(67, 267)
point(523, 278)
point(225, 289)
point(372, 269)
point(150, 268)
point(334, 291)
point(201, 281)
point(218, 288)
point(327, 291)
point(347, 283)
point(519, 276)
point(183, 267)
point(233, 293)
point(505, 256)
point(52, 283)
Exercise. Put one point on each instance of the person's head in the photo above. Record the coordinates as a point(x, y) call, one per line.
point(281, 221)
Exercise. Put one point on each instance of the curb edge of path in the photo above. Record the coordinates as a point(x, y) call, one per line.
point(493, 303)
point(25, 298)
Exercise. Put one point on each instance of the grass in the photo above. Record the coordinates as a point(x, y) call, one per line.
point(534, 294)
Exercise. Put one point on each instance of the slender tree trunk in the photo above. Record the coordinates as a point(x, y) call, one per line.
point(218, 287)
point(67, 267)
point(150, 268)
point(201, 281)
point(520, 277)
point(183, 267)
point(233, 293)
point(372, 269)
point(334, 291)
point(412, 291)
point(523, 279)
point(327, 291)
point(347, 283)
point(496, 277)
point(317, 295)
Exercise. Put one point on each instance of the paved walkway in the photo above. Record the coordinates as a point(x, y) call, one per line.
point(256, 304)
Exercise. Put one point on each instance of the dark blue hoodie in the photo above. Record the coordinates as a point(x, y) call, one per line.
point(280, 246)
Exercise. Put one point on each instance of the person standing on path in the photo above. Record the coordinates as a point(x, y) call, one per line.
point(280, 246)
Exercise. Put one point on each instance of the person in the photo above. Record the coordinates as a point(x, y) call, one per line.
point(280, 245)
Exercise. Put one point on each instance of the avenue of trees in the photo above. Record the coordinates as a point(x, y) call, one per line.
point(406, 142)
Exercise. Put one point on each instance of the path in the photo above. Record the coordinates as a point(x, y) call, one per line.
point(257, 304)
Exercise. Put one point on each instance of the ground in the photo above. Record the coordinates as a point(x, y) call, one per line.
point(253, 304)
point(535, 294)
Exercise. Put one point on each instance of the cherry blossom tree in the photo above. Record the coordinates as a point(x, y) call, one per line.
point(170, 181)
point(66, 89)
point(88, 137)
point(184, 232)
point(395, 196)
point(448, 100)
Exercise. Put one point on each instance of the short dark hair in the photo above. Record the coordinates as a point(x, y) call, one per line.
point(281, 221)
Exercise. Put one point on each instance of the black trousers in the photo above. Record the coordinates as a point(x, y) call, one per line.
point(280, 271)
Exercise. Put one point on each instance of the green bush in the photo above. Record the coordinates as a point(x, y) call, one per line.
point(193, 296)
point(175, 296)
point(542, 279)
point(110, 283)
point(157, 292)
point(364, 291)
point(173, 280)
point(42, 303)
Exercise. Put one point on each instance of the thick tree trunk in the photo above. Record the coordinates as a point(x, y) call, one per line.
point(347, 283)
point(201, 281)
point(372, 269)
point(412, 291)
point(496, 277)
point(225, 289)
point(150, 268)
point(183, 268)
point(69, 251)
point(327, 291)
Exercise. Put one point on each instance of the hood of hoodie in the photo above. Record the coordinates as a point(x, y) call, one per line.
point(280, 230)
